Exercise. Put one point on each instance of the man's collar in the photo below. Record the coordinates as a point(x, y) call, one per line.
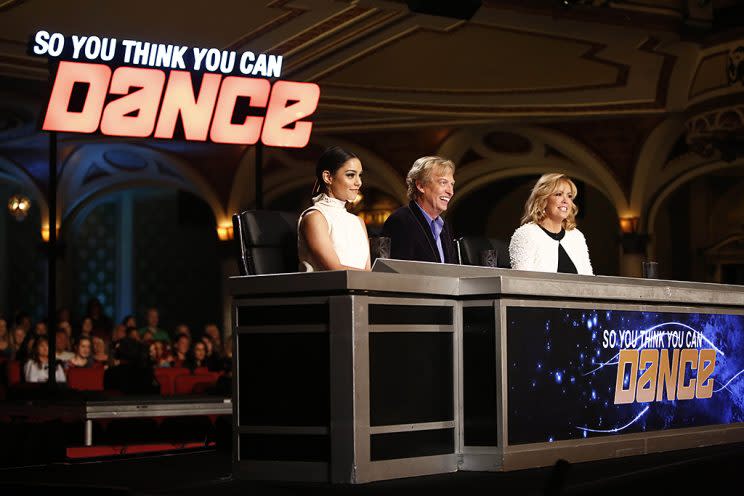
point(427, 216)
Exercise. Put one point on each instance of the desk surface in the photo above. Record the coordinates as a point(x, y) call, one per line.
point(464, 281)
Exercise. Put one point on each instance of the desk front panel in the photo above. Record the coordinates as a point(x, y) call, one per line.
point(577, 371)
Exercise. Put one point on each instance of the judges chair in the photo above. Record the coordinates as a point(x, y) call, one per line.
point(266, 241)
point(470, 248)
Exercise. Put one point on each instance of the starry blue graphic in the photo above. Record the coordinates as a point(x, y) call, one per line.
point(561, 379)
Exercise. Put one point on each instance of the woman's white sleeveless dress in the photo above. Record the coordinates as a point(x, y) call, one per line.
point(346, 232)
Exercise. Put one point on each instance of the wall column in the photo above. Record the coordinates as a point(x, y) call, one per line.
point(228, 268)
point(124, 253)
point(4, 310)
point(632, 254)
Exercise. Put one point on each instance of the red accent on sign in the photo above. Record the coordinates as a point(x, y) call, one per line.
point(143, 102)
point(196, 113)
point(86, 121)
point(279, 115)
point(250, 130)
point(138, 113)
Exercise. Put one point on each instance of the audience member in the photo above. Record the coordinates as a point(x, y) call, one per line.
point(62, 346)
point(82, 357)
point(63, 315)
point(129, 321)
point(129, 358)
point(196, 357)
point(131, 372)
point(100, 355)
point(5, 347)
point(181, 349)
point(214, 358)
point(66, 327)
point(153, 319)
point(40, 329)
point(23, 353)
point(119, 333)
point(102, 323)
point(158, 356)
point(86, 327)
point(17, 337)
point(214, 334)
point(23, 319)
point(36, 368)
point(133, 333)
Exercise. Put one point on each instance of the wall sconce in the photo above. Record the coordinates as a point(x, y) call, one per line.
point(374, 212)
point(629, 225)
point(18, 206)
point(45, 233)
point(631, 240)
point(225, 233)
point(374, 217)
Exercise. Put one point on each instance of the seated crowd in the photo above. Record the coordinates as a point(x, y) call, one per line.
point(129, 355)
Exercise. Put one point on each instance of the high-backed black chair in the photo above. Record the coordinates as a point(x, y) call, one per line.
point(471, 247)
point(266, 241)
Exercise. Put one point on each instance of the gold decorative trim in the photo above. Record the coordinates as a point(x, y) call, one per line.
point(289, 14)
point(690, 94)
point(9, 4)
point(377, 22)
point(590, 54)
point(321, 30)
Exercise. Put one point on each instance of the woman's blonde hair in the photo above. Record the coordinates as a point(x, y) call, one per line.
point(421, 171)
point(534, 208)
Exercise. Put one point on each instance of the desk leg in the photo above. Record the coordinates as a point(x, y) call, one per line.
point(89, 432)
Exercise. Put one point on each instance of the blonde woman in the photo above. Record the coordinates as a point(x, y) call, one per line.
point(548, 240)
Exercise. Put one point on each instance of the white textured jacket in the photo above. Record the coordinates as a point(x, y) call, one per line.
point(531, 249)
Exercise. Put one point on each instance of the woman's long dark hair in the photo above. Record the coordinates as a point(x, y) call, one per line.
point(35, 349)
point(332, 159)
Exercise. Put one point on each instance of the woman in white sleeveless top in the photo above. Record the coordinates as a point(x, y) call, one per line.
point(329, 237)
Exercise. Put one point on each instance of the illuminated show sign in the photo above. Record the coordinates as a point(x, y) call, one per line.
point(140, 89)
point(577, 373)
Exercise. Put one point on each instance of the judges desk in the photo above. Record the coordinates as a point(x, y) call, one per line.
point(421, 368)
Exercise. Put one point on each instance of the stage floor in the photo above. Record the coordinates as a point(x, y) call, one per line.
point(208, 472)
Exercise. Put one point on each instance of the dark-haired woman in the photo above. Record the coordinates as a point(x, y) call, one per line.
point(82, 357)
point(37, 368)
point(330, 238)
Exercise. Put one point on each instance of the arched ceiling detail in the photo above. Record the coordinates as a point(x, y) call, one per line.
point(377, 172)
point(94, 169)
point(696, 167)
point(574, 159)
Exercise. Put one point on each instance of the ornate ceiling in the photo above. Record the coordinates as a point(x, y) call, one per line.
point(380, 65)
point(618, 78)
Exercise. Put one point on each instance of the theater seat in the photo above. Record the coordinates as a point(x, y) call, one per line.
point(85, 379)
point(14, 372)
point(190, 384)
point(266, 241)
point(470, 248)
point(166, 378)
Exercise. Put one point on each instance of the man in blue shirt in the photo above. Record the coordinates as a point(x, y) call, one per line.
point(417, 231)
